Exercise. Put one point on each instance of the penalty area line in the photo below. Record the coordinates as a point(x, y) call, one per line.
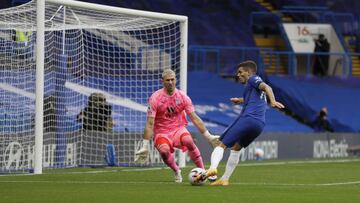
point(87, 172)
point(106, 171)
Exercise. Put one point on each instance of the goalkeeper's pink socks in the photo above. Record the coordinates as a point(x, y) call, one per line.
point(168, 157)
point(194, 152)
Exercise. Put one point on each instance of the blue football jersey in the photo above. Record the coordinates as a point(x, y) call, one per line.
point(254, 99)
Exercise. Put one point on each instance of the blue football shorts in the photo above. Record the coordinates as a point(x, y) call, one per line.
point(243, 131)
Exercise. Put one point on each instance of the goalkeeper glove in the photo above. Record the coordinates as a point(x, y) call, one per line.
point(141, 156)
point(212, 139)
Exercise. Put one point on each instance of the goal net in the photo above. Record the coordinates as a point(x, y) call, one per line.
point(101, 65)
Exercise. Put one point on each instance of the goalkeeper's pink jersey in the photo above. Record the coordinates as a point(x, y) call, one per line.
point(169, 111)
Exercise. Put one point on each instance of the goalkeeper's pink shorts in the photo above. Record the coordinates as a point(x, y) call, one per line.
point(173, 139)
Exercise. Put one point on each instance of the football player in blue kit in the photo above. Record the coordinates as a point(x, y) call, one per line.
point(248, 125)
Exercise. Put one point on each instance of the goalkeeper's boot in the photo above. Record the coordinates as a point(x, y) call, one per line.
point(178, 177)
point(220, 182)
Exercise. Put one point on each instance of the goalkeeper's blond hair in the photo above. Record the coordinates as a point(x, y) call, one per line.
point(167, 72)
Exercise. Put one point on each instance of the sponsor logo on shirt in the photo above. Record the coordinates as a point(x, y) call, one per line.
point(170, 109)
point(177, 101)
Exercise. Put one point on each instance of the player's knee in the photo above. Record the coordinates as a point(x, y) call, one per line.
point(187, 141)
point(164, 150)
point(236, 147)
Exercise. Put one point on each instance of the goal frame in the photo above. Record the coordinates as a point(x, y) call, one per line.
point(40, 40)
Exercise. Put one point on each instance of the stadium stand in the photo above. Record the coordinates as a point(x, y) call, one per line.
point(206, 26)
point(305, 96)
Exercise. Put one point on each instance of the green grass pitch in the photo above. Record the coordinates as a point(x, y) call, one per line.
point(336, 180)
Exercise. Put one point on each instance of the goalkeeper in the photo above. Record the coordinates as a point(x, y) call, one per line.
point(166, 120)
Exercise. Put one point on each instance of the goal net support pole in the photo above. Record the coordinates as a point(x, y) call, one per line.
point(39, 91)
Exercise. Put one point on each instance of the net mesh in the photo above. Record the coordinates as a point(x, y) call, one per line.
point(100, 69)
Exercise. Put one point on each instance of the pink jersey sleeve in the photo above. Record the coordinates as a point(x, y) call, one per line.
point(189, 108)
point(152, 105)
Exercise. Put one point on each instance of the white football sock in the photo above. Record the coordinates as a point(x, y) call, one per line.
point(216, 157)
point(231, 164)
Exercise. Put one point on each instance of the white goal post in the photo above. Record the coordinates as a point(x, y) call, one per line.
point(59, 59)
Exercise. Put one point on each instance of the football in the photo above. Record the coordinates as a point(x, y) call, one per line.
point(195, 172)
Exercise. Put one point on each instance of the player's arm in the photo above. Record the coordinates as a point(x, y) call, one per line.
point(268, 90)
point(196, 120)
point(149, 127)
point(141, 156)
point(237, 100)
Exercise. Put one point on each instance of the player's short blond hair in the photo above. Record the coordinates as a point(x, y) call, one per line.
point(167, 72)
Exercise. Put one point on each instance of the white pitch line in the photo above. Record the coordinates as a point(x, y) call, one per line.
point(144, 169)
point(106, 171)
point(240, 164)
point(165, 168)
point(299, 184)
point(88, 172)
point(83, 172)
point(84, 182)
point(151, 183)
